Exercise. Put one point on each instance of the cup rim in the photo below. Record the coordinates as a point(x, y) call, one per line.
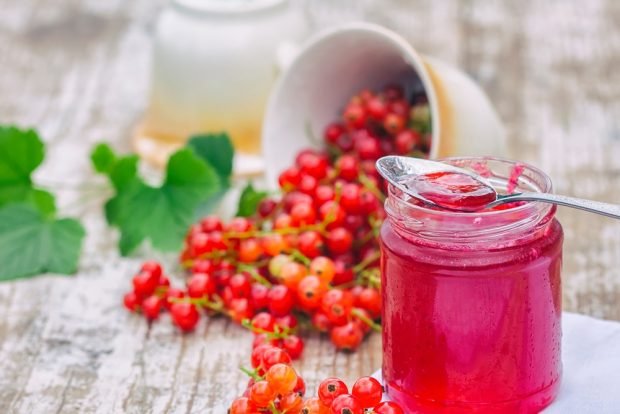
point(410, 56)
point(231, 7)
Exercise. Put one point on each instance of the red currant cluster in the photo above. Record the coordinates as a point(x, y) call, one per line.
point(268, 300)
point(275, 387)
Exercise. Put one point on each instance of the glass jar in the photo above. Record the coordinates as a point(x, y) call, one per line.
point(472, 301)
point(214, 63)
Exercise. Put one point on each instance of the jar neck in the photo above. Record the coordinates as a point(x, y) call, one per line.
point(229, 8)
point(487, 229)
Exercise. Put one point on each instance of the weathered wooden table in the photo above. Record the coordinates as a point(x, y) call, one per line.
point(78, 71)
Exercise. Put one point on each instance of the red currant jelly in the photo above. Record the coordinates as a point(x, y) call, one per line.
point(453, 190)
point(472, 302)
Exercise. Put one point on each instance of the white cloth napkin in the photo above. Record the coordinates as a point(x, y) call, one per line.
point(591, 373)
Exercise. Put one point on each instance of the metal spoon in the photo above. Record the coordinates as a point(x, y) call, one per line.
point(399, 170)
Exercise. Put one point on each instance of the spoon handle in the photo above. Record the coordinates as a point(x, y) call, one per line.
point(606, 209)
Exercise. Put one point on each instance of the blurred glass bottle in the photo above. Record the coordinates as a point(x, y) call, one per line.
point(214, 63)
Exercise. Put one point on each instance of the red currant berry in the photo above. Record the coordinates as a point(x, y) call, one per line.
point(289, 178)
point(303, 214)
point(343, 273)
point(262, 394)
point(300, 387)
point(393, 123)
point(145, 283)
point(202, 266)
point(263, 322)
point(406, 140)
point(314, 406)
point(240, 285)
point(308, 184)
point(330, 389)
point(257, 354)
point(310, 243)
point(239, 225)
point(152, 267)
point(347, 337)
point(348, 167)
point(388, 407)
point(332, 214)
point(324, 268)
point(211, 223)
point(370, 300)
point(400, 107)
point(321, 322)
point(242, 405)
point(240, 309)
point(368, 391)
point(282, 378)
point(333, 132)
point(258, 296)
point(294, 345)
point(323, 194)
point(151, 307)
point(184, 315)
point(312, 164)
point(345, 143)
point(377, 109)
point(291, 274)
point(250, 250)
point(266, 207)
point(355, 116)
point(368, 148)
point(339, 240)
point(131, 301)
point(290, 403)
point(350, 198)
point(337, 305)
point(286, 322)
point(281, 300)
point(201, 285)
point(346, 404)
point(310, 292)
point(274, 356)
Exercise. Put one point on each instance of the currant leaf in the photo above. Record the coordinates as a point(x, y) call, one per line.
point(248, 201)
point(21, 152)
point(32, 243)
point(217, 150)
point(160, 214)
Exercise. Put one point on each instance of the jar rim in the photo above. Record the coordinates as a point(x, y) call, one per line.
point(228, 6)
point(467, 227)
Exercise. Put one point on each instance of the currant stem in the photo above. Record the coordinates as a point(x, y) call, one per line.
point(257, 277)
point(251, 373)
point(370, 186)
point(366, 262)
point(360, 315)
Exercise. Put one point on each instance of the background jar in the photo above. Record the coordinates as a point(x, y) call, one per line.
point(214, 63)
point(472, 301)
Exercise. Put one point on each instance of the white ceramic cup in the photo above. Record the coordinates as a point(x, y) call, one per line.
point(340, 62)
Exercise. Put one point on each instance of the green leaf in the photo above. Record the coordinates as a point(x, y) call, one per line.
point(120, 170)
point(21, 152)
point(31, 243)
point(162, 214)
point(103, 158)
point(217, 150)
point(248, 202)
